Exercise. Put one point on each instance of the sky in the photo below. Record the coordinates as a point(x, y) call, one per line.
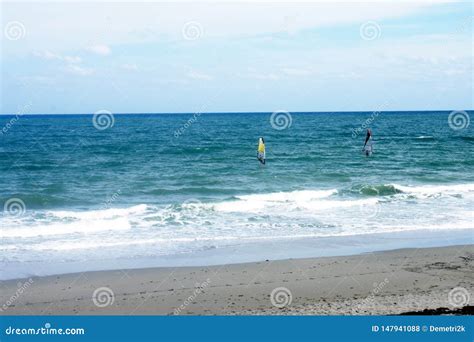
point(130, 57)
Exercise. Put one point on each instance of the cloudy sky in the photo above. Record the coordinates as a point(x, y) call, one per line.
point(61, 57)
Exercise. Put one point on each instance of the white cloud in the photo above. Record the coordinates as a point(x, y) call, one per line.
point(72, 59)
point(36, 79)
point(297, 71)
point(78, 70)
point(261, 76)
point(48, 55)
point(199, 75)
point(129, 66)
point(119, 23)
point(99, 49)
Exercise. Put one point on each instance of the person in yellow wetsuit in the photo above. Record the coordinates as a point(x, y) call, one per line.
point(261, 150)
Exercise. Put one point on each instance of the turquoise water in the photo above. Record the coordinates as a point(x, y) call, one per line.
point(167, 185)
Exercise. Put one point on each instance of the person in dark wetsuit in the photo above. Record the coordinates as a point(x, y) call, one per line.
point(367, 138)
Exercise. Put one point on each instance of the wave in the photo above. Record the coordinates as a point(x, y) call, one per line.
point(258, 202)
point(300, 195)
point(426, 137)
point(215, 241)
point(99, 214)
point(425, 191)
point(422, 191)
point(377, 190)
point(265, 207)
point(72, 222)
point(195, 219)
point(279, 202)
point(467, 138)
point(83, 227)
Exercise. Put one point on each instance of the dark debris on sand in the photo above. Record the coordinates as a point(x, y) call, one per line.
point(466, 310)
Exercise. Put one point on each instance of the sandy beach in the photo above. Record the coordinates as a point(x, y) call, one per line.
point(389, 282)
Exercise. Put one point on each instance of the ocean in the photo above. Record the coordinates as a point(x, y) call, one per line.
point(83, 192)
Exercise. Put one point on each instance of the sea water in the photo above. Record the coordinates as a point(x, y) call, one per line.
point(170, 189)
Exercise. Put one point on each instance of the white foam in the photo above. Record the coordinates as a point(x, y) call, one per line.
point(300, 195)
point(431, 190)
point(324, 205)
point(99, 214)
point(259, 202)
point(316, 199)
point(70, 222)
point(82, 226)
point(169, 245)
point(280, 215)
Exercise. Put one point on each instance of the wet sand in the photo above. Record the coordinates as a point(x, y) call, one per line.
point(389, 282)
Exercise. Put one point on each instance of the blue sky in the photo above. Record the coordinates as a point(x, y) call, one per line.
point(228, 57)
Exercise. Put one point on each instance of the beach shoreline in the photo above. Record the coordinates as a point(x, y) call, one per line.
point(241, 252)
point(387, 282)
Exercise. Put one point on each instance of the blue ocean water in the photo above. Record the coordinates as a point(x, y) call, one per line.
point(79, 189)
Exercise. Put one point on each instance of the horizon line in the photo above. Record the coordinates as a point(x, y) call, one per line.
point(245, 112)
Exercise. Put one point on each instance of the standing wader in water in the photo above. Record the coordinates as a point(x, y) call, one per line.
point(261, 150)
